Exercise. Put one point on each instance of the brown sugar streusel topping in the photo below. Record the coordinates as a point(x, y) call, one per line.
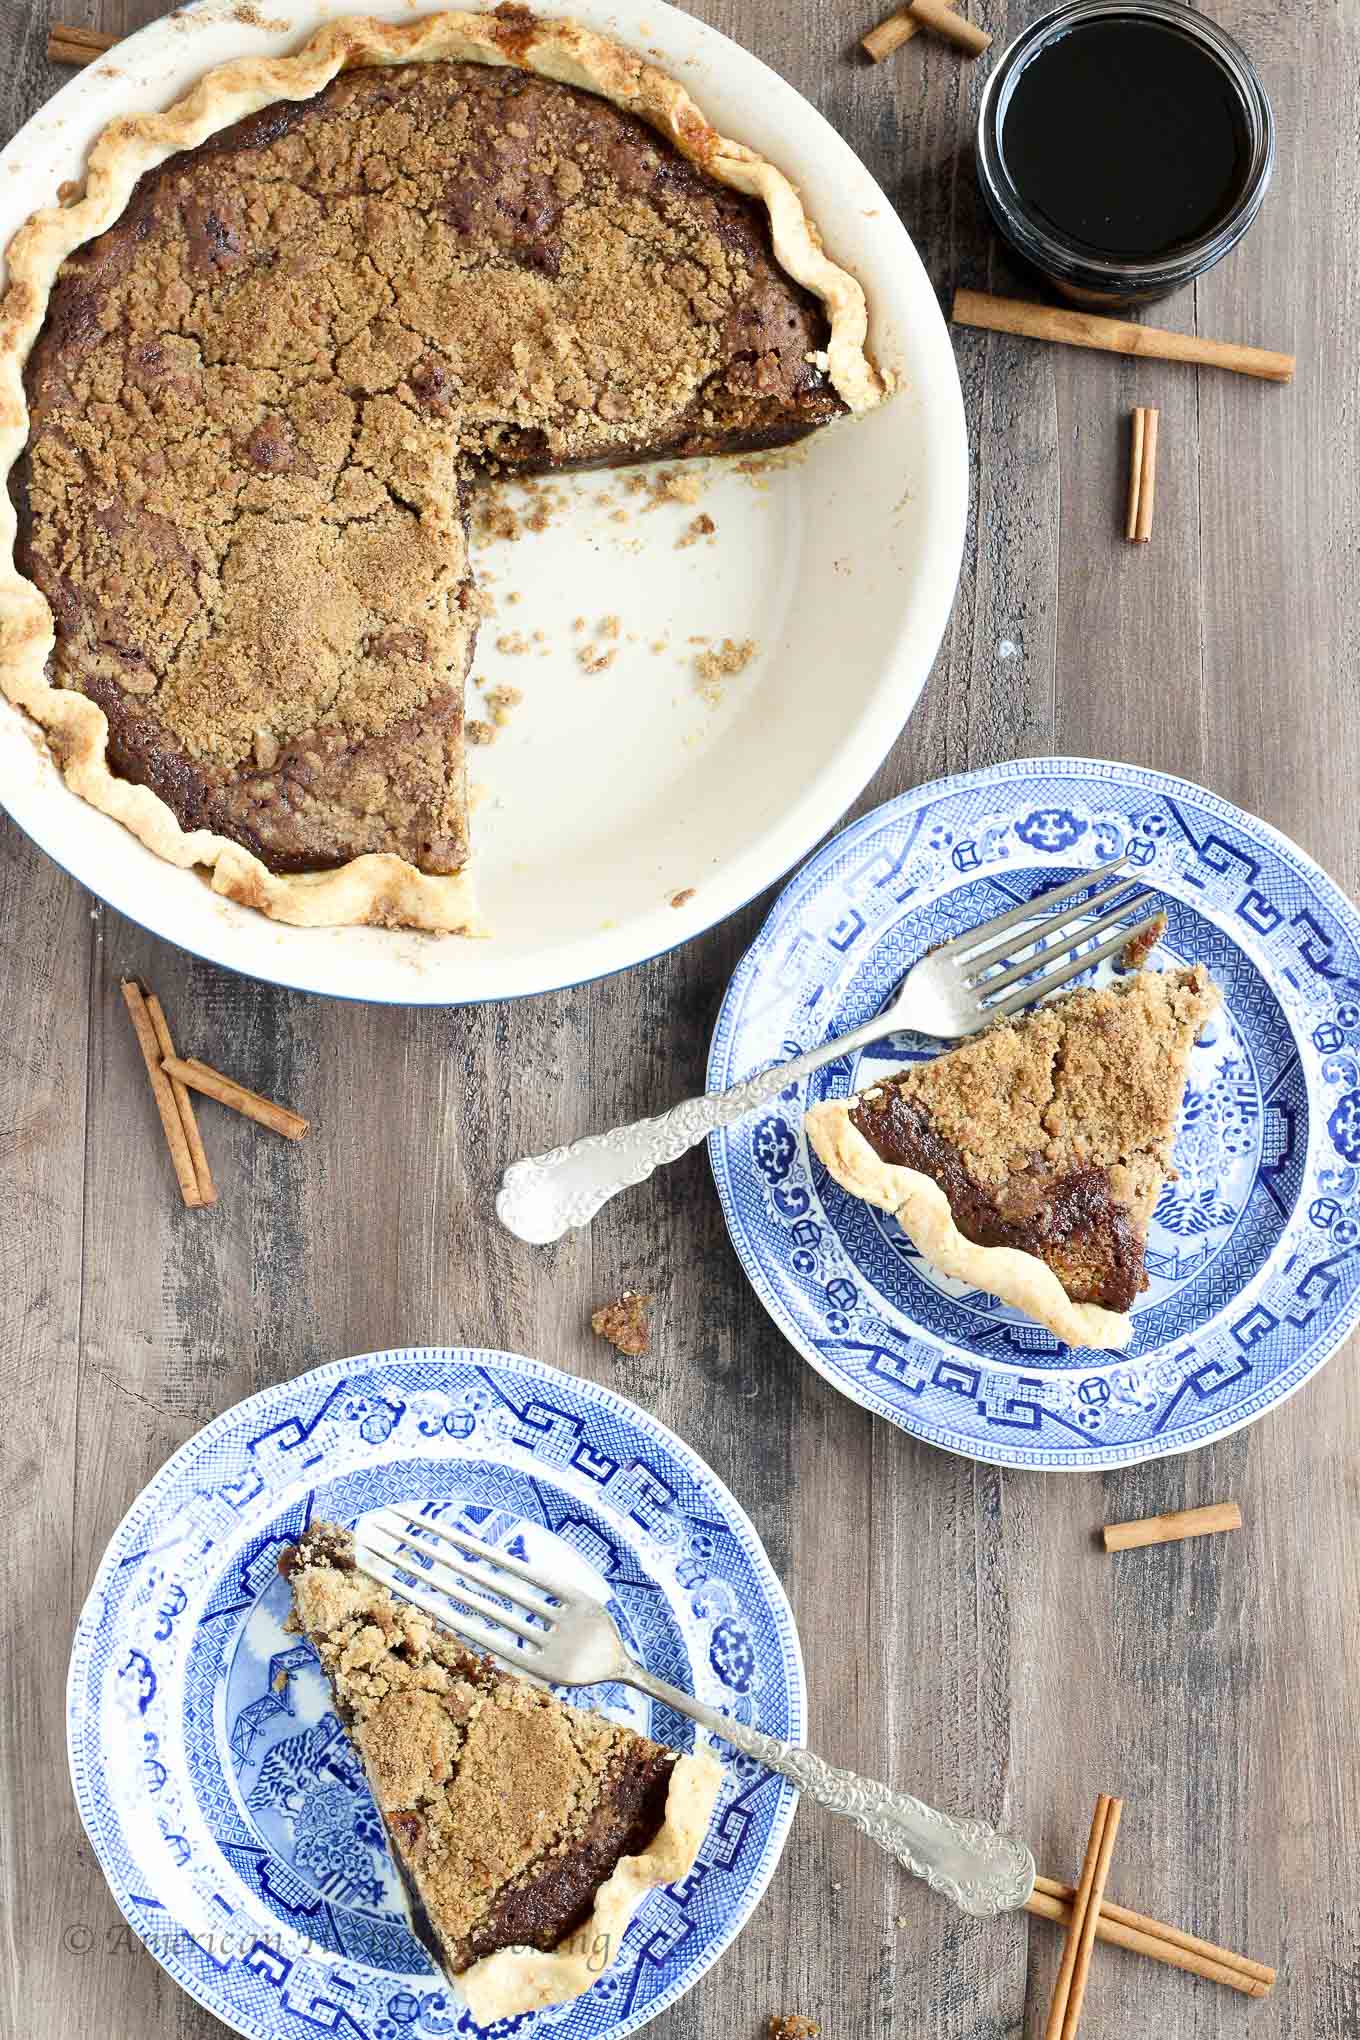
point(259, 401)
point(1095, 1077)
point(483, 1780)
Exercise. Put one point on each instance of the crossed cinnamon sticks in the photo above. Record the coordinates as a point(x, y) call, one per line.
point(1088, 1917)
point(943, 20)
point(172, 1079)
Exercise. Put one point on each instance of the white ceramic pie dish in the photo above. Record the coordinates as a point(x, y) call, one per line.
point(610, 793)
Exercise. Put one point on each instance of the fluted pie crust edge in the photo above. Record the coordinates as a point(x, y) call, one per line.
point(518, 1980)
point(377, 890)
point(922, 1210)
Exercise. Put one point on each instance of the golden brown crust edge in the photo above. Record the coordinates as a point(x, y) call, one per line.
point(385, 891)
point(516, 1980)
point(922, 1210)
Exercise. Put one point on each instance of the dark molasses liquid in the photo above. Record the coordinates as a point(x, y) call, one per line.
point(1126, 137)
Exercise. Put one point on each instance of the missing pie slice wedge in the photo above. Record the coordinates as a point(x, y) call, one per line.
point(1028, 1162)
point(525, 1831)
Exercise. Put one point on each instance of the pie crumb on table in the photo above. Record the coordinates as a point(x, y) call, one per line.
point(791, 2026)
point(624, 1321)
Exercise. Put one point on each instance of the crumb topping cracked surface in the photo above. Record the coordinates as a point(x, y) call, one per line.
point(260, 399)
point(506, 1808)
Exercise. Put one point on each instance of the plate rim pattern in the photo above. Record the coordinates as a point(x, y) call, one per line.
point(103, 1828)
point(725, 1161)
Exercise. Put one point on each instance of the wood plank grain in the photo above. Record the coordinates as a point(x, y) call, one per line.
point(44, 997)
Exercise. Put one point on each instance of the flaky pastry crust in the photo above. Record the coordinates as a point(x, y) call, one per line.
point(922, 1210)
point(381, 890)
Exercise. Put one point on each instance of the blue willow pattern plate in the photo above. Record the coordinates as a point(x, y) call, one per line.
point(224, 1802)
point(1252, 1256)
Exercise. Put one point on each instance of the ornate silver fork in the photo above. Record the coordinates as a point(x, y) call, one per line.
point(555, 1632)
point(953, 991)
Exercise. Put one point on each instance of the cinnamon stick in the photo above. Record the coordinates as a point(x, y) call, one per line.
point(161, 1092)
point(1153, 1939)
point(67, 44)
point(184, 1105)
point(965, 35)
point(1062, 1988)
point(1169, 1529)
point(890, 35)
point(200, 1077)
point(1115, 336)
point(1143, 490)
point(1086, 1933)
point(1137, 428)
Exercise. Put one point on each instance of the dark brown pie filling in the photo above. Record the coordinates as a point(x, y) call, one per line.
point(1069, 1219)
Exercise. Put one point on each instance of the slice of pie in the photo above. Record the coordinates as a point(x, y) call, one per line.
point(525, 1831)
point(253, 375)
point(1028, 1162)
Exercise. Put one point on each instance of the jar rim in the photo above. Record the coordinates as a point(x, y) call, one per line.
point(1074, 261)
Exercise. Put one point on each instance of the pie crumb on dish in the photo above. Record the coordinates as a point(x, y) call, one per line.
point(1135, 954)
point(699, 527)
point(721, 663)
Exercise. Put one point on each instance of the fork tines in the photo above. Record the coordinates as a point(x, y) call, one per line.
point(974, 964)
point(401, 1550)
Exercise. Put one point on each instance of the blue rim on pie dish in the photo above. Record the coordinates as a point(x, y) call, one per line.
point(1252, 1254)
point(224, 1801)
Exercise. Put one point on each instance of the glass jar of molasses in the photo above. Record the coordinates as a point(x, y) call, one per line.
point(1124, 146)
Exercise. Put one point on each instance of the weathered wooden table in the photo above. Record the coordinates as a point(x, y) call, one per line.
point(963, 1636)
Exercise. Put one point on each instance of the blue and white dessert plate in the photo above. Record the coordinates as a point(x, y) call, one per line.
point(225, 1805)
point(1254, 1251)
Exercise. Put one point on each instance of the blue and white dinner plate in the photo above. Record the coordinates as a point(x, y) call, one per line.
point(222, 1799)
point(1254, 1252)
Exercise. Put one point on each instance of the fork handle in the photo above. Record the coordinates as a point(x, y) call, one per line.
point(544, 1196)
point(983, 1872)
